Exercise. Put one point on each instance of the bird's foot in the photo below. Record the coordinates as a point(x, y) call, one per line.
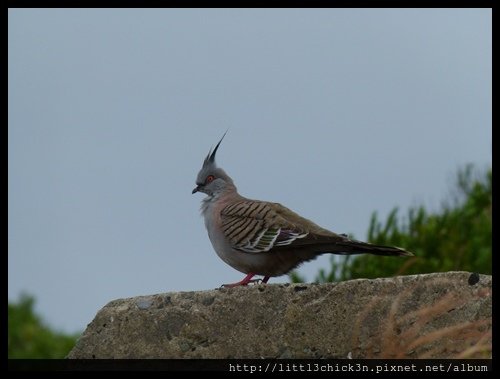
point(241, 283)
point(245, 281)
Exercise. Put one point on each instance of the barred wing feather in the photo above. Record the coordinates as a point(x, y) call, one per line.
point(257, 226)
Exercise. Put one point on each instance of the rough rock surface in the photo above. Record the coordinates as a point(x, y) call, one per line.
point(437, 315)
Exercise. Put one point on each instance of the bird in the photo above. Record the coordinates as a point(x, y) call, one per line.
point(265, 238)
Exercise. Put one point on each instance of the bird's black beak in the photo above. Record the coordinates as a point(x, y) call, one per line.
point(197, 188)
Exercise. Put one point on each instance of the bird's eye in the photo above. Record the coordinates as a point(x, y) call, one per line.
point(209, 179)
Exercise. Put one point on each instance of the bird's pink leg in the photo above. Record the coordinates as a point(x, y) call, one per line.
point(247, 279)
point(266, 278)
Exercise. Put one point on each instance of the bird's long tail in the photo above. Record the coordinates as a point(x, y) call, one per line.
point(357, 247)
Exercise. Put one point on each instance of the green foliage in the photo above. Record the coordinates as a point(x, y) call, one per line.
point(30, 338)
point(456, 238)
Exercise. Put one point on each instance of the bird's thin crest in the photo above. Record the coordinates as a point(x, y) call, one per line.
point(211, 154)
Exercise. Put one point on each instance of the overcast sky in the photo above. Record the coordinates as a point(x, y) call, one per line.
point(335, 113)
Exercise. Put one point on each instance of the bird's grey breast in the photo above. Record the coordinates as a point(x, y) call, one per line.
point(211, 216)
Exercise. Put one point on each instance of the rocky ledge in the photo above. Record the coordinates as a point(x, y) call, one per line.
point(440, 315)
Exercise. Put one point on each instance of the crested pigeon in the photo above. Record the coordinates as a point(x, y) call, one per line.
point(263, 238)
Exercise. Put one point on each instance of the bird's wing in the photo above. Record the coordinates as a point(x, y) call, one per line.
point(258, 226)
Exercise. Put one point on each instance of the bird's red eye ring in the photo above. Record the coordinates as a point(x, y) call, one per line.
point(209, 179)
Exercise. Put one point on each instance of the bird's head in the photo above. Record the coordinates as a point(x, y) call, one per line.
point(211, 179)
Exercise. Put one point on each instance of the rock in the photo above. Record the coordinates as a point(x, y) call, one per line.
point(441, 315)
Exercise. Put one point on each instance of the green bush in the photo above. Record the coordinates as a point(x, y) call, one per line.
point(30, 338)
point(457, 238)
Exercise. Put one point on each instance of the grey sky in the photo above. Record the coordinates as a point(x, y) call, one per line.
point(334, 113)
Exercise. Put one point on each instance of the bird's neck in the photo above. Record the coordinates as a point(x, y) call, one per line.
point(221, 198)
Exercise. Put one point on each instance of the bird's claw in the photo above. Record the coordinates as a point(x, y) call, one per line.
point(232, 285)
